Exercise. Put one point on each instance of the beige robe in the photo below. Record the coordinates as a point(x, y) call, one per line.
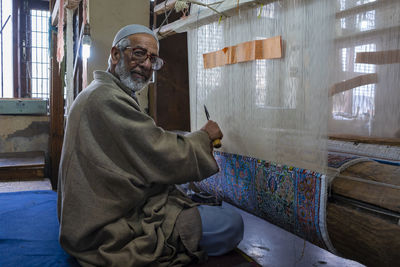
point(117, 203)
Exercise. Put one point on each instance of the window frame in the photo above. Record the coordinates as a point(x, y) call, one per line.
point(21, 15)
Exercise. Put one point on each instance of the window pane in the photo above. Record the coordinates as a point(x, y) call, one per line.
point(40, 55)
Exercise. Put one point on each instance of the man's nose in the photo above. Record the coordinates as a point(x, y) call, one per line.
point(146, 63)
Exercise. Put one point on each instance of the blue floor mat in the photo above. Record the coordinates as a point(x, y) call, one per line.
point(29, 230)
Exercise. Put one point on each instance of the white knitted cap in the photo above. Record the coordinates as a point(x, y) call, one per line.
point(132, 29)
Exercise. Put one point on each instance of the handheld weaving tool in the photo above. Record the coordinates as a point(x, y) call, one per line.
point(217, 142)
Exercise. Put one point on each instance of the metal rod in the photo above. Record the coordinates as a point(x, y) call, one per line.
point(5, 23)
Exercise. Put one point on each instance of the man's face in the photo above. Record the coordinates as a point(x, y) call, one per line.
point(131, 72)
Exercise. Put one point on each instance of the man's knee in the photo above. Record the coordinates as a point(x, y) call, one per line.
point(235, 225)
point(222, 229)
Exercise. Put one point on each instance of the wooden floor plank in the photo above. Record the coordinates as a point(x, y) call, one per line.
point(22, 159)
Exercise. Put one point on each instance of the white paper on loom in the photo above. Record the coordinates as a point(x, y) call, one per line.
point(273, 109)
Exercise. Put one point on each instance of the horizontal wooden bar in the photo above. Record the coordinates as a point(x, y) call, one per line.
point(367, 140)
point(205, 16)
point(372, 183)
point(21, 173)
point(164, 6)
point(353, 83)
point(379, 58)
point(362, 8)
point(365, 34)
point(22, 159)
point(166, 30)
point(22, 165)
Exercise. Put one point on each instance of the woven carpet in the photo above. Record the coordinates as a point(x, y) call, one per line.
point(289, 197)
point(341, 161)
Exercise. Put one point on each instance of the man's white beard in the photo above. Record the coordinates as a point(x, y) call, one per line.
point(126, 78)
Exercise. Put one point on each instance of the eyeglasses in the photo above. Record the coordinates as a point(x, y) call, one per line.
point(140, 55)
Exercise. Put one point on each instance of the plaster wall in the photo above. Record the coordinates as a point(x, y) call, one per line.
point(24, 133)
point(106, 18)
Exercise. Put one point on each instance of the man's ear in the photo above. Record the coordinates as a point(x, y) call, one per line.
point(115, 55)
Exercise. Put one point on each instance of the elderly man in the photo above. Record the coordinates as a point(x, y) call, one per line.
point(118, 204)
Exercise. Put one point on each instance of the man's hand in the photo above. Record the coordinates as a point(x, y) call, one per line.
point(213, 130)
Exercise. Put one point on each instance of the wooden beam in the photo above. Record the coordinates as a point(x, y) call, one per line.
point(56, 115)
point(362, 8)
point(54, 13)
point(353, 83)
point(22, 159)
point(205, 16)
point(166, 30)
point(153, 100)
point(379, 58)
point(173, 83)
point(368, 192)
point(22, 165)
point(17, 174)
point(362, 236)
point(367, 140)
point(164, 6)
point(365, 34)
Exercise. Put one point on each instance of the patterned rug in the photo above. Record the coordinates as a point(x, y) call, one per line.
point(340, 161)
point(292, 198)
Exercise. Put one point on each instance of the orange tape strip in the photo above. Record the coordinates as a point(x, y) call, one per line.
point(258, 49)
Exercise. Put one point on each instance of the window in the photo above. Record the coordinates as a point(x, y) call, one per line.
point(24, 49)
point(40, 61)
point(6, 46)
point(360, 101)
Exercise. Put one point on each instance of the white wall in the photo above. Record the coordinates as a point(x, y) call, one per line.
point(106, 18)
